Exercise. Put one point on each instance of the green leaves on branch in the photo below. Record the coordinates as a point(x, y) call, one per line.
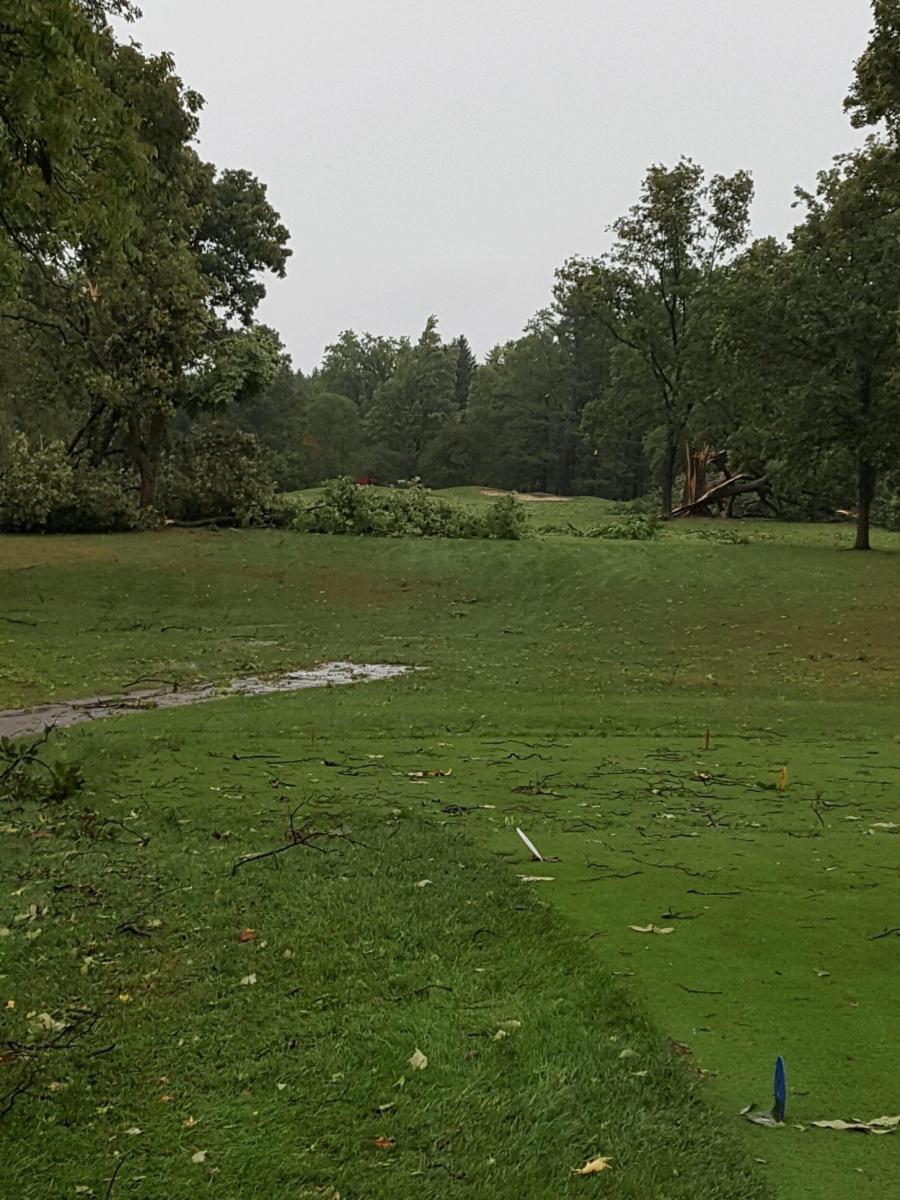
point(346, 508)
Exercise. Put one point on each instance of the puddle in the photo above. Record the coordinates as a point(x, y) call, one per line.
point(19, 722)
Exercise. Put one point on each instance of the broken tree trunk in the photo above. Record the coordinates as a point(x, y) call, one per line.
point(728, 490)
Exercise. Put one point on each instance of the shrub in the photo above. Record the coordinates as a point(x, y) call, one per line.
point(411, 511)
point(217, 474)
point(44, 491)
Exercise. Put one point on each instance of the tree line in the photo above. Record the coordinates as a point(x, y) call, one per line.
point(129, 284)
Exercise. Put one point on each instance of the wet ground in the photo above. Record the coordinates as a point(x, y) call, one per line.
point(21, 722)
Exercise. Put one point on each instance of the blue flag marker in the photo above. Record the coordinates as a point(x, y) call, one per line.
point(780, 1090)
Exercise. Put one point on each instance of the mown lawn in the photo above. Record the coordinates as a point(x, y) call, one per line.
point(567, 685)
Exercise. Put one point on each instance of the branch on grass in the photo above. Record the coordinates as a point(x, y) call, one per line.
point(297, 837)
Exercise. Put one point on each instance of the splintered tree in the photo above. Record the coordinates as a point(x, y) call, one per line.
point(652, 290)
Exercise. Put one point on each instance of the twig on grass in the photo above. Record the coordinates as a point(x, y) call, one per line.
point(115, 1174)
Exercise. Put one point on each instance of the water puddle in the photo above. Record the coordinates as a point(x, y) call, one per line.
point(19, 722)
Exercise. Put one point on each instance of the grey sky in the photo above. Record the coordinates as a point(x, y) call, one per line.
point(446, 157)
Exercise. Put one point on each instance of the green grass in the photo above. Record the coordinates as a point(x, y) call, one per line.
point(568, 685)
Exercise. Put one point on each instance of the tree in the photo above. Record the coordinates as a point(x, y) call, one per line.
point(650, 290)
point(166, 325)
point(356, 366)
point(875, 93)
point(410, 408)
point(846, 301)
point(466, 365)
point(71, 163)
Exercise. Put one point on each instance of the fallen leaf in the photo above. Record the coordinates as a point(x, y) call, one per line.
point(248, 980)
point(628, 1053)
point(593, 1167)
point(247, 935)
point(418, 1061)
point(124, 998)
point(133, 1131)
point(384, 1143)
point(879, 1125)
point(199, 1156)
point(652, 928)
point(45, 1021)
point(536, 878)
point(166, 1099)
point(189, 1122)
point(10, 1004)
point(431, 774)
point(423, 883)
point(681, 1048)
point(760, 1118)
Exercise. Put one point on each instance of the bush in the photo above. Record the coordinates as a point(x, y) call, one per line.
point(44, 491)
point(411, 511)
point(217, 474)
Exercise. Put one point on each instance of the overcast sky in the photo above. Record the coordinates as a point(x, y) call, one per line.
point(447, 156)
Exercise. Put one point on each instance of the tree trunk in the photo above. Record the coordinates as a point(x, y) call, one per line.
point(667, 475)
point(865, 492)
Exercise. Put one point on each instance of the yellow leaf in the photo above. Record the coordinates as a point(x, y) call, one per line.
point(593, 1167)
point(418, 1061)
point(199, 1156)
point(124, 998)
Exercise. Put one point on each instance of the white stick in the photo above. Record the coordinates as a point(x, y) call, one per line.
point(531, 846)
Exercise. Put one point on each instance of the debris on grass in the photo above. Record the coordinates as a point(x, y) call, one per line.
point(652, 928)
point(418, 1061)
point(878, 1125)
point(247, 935)
point(593, 1166)
point(536, 878)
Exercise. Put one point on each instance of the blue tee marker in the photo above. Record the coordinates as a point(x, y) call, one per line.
point(780, 1090)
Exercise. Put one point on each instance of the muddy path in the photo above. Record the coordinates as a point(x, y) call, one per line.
point(22, 722)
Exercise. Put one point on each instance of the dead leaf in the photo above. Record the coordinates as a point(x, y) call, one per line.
point(423, 883)
point(593, 1166)
point(418, 1061)
point(652, 928)
point(248, 980)
point(384, 1143)
point(199, 1156)
point(879, 1125)
point(124, 998)
point(431, 774)
point(765, 1119)
point(247, 935)
point(133, 1131)
point(45, 1021)
point(536, 878)
point(189, 1122)
point(166, 1099)
point(681, 1048)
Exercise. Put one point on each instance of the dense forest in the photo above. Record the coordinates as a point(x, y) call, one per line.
point(135, 381)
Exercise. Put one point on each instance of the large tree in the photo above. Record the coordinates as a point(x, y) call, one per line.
point(846, 308)
point(165, 325)
point(652, 289)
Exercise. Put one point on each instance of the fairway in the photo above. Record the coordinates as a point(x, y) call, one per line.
point(565, 686)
